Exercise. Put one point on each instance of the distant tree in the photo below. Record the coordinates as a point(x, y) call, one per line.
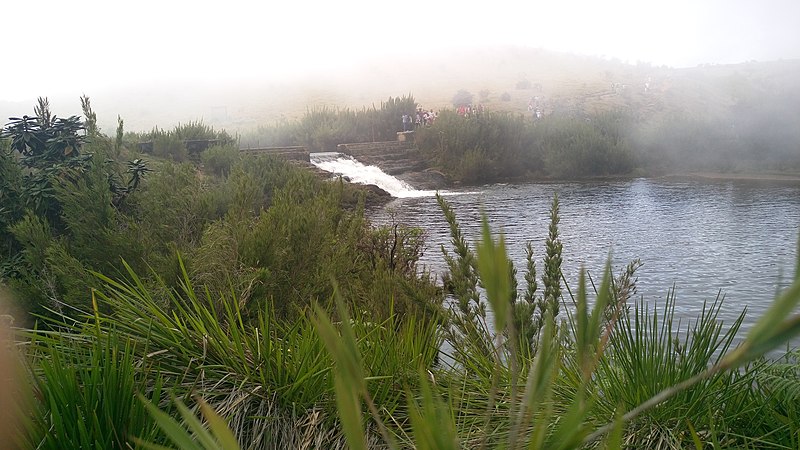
point(505, 97)
point(462, 98)
point(91, 117)
point(483, 95)
point(120, 134)
point(524, 84)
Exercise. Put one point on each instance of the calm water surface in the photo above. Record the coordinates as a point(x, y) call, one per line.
point(737, 238)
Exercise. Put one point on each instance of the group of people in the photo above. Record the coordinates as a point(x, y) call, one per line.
point(470, 110)
point(420, 118)
point(535, 106)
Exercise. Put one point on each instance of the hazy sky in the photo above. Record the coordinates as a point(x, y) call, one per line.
point(85, 46)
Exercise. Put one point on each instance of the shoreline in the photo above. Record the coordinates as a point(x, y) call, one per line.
point(701, 176)
point(432, 179)
point(746, 176)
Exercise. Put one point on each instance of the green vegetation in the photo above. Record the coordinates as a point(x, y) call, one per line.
point(273, 232)
point(501, 146)
point(600, 118)
point(462, 98)
point(247, 304)
point(606, 377)
point(479, 149)
point(321, 130)
point(180, 144)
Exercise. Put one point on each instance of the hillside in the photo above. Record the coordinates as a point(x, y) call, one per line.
point(564, 83)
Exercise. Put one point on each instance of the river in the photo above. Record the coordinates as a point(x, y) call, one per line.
point(701, 238)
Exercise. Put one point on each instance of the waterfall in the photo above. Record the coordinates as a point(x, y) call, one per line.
point(356, 172)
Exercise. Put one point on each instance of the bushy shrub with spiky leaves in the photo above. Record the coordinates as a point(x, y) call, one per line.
point(271, 380)
point(85, 383)
point(599, 380)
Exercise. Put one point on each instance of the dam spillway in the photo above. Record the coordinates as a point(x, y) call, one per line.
point(356, 172)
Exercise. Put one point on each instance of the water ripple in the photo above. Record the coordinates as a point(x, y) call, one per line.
point(702, 238)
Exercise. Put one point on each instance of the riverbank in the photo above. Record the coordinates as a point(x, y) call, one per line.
point(433, 179)
point(745, 176)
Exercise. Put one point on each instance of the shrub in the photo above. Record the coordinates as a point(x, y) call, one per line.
point(87, 389)
point(11, 206)
point(324, 128)
point(493, 146)
point(505, 97)
point(580, 148)
point(200, 131)
point(462, 98)
point(473, 167)
point(219, 159)
point(170, 147)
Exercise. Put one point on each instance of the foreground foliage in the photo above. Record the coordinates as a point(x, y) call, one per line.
point(607, 375)
point(264, 375)
point(597, 379)
point(273, 232)
point(260, 299)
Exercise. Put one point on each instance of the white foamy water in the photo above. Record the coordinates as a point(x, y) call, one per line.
point(356, 172)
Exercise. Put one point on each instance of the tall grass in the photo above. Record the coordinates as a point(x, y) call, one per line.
point(86, 385)
point(321, 130)
point(603, 374)
point(609, 377)
point(271, 380)
point(647, 353)
point(502, 146)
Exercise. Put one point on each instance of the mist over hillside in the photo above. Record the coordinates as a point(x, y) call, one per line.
point(754, 106)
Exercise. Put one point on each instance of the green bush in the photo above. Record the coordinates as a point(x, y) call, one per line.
point(199, 131)
point(321, 130)
point(11, 206)
point(269, 378)
point(173, 208)
point(86, 390)
point(502, 146)
point(472, 167)
point(62, 220)
point(579, 148)
point(477, 150)
point(170, 147)
point(219, 159)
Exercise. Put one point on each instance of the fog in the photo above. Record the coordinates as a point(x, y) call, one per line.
point(89, 46)
point(238, 65)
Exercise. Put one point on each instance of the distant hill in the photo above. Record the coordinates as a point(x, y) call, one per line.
point(501, 78)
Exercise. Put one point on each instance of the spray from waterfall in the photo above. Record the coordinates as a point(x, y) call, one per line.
point(356, 172)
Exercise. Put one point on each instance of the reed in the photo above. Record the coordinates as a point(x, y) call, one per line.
point(630, 378)
point(607, 376)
